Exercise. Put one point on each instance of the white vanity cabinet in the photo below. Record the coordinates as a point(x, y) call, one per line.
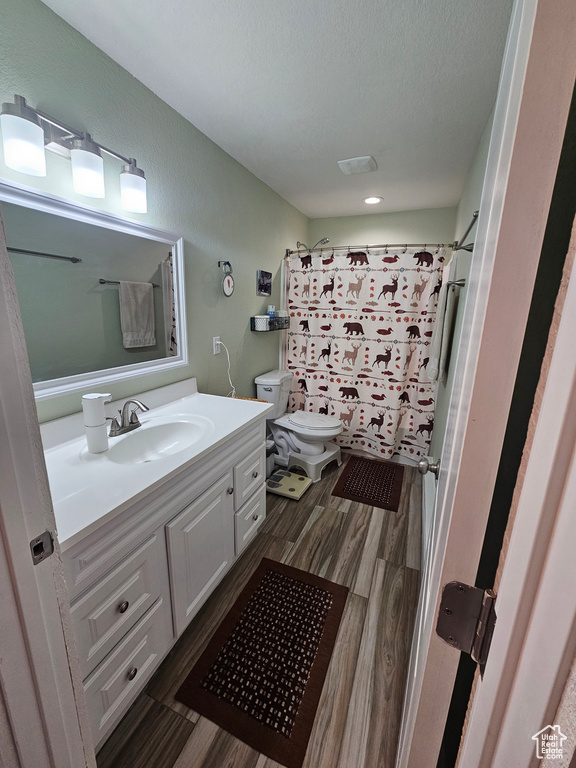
point(137, 581)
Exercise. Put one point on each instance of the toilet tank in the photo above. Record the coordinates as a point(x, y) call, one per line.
point(274, 387)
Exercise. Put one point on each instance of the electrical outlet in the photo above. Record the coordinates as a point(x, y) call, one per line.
point(216, 345)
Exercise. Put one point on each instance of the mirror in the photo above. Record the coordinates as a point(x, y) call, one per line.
point(68, 262)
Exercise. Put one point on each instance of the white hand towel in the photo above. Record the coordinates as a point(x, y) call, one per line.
point(137, 314)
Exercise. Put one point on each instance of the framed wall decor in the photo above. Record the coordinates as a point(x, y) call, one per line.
point(263, 283)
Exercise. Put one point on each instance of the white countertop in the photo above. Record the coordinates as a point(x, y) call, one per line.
point(89, 489)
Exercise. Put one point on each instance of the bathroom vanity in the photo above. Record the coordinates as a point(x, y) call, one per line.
point(149, 528)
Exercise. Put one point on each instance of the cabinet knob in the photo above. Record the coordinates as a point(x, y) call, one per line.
point(132, 674)
point(255, 474)
point(230, 491)
point(256, 517)
point(123, 607)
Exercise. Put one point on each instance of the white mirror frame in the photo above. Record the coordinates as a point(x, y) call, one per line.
point(10, 192)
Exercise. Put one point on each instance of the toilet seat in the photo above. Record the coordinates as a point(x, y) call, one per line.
point(313, 427)
point(310, 420)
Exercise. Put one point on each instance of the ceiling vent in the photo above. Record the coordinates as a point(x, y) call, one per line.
point(357, 165)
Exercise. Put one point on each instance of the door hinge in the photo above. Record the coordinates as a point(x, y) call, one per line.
point(466, 620)
point(41, 547)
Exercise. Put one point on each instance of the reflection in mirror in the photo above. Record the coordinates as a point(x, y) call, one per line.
point(69, 263)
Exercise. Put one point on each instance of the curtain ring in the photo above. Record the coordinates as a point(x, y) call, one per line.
point(386, 250)
point(405, 248)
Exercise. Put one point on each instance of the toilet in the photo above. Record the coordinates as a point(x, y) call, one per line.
point(302, 438)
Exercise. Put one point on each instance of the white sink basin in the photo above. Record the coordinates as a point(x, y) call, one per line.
point(157, 439)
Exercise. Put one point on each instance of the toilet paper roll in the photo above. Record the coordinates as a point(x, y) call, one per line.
point(261, 323)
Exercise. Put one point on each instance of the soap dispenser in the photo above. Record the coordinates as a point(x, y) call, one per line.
point(95, 421)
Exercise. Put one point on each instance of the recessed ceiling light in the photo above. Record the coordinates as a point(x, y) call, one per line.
point(372, 200)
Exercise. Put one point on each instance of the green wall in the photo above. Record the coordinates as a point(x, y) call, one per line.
point(194, 189)
point(433, 225)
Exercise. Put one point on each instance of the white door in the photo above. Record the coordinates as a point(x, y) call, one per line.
point(40, 724)
point(533, 646)
point(536, 86)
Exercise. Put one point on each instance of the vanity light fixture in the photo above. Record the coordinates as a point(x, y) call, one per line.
point(373, 200)
point(27, 132)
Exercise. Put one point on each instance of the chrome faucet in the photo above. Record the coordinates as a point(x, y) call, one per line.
point(128, 418)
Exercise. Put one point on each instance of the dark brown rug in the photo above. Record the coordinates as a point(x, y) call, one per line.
point(261, 676)
point(370, 481)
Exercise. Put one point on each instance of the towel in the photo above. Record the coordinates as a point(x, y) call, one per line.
point(137, 314)
point(441, 334)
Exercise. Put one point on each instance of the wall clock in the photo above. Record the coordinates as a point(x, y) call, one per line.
point(227, 280)
point(228, 284)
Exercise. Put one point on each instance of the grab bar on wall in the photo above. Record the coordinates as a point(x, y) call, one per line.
point(117, 282)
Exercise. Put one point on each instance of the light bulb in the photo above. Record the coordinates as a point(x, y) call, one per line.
point(87, 167)
point(372, 200)
point(22, 138)
point(133, 188)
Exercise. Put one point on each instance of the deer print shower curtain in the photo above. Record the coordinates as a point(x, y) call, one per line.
point(360, 328)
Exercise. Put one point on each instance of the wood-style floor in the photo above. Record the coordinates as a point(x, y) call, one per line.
point(376, 553)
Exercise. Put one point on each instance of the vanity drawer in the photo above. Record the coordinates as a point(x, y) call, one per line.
point(113, 686)
point(248, 475)
point(248, 520)
point(107, 611)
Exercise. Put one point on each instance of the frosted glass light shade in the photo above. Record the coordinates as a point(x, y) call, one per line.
point(87, 173)
point(133, 191)
point(23, 143)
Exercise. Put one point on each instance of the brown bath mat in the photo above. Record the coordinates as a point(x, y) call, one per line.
point(261, 676)
point(373, 482)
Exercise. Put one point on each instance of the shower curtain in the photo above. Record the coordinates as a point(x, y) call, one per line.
point(360, 329)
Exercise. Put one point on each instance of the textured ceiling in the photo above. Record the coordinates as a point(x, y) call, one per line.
point(288, 87)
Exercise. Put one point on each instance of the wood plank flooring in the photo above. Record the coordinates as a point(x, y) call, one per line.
point(374, 552)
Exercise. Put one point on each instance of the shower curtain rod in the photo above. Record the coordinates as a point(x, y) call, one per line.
point(457, 246)
point(73, 259)
point(367, 247)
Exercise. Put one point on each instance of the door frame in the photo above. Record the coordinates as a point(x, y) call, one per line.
point(534, 645)
point(537, 81)
point(43, 716)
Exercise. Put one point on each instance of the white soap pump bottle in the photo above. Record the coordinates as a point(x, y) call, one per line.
point(95, 421)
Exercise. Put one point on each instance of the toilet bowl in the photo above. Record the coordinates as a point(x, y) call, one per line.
point(302, 438)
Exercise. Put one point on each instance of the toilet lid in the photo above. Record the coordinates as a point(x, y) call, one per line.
point(313, 420)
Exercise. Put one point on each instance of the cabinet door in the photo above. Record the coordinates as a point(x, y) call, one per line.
point(200, 549)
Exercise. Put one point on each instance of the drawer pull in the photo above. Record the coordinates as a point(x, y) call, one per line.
point(230, 491)
point(255, 474)
point(123, 607)
point(132, 674)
